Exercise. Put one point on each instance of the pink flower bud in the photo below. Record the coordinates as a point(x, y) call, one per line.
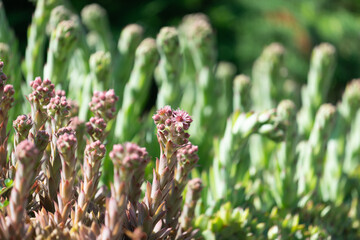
point(42, 91)
point(128, 155)
point(26, 152)
point(168, 122)
point(156, 118)
point(176, 123)
point(63, 130)
point(23, 124)
point(103, 104)
point(96, 150)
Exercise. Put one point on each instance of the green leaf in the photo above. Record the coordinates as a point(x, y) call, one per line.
point(4, 204)
point(8, 182)
point(208, 235)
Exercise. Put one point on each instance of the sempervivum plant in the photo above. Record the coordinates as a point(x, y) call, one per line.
point(13, 225)
point(268, 161)
point(50, 197)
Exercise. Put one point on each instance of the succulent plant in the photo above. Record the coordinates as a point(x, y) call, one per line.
point(258, 164)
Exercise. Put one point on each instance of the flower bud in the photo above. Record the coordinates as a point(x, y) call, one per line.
point(128, 155)
point(58, 106)
point(96, 128)
point(42, 92)
point(26, 152)
point(95, 151)
point(103, 104)
point(22, 125)
point(172, 124)
point(66, 143)
point(63, 130)
point(7, 98)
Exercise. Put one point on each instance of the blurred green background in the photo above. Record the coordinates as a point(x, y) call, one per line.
point(243, 27)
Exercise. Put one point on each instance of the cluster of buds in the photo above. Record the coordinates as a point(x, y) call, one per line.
point(123, 213)
point(57, 149)
point(96, 128)
point(126, 158)
point(94, 152)
point(43, 91)
point(22, 125)
point(40, 97)
point(187, 156)
point(127, 153)
point(58, 106)
point(60, 93)
point(66, 144)
point(171, 125)
point(103, 104)
point(7, 98)
point(65, 130)
point(58, 110)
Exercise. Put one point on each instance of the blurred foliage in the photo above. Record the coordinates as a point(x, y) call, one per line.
point(244, 28)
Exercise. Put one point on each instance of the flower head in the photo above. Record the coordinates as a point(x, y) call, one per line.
point(60, 93)
point(187, 155)
point(63, 130)
point(128, 155)
point(95, 150)
point(172, 125)
point(7, 98)
point(42, 92)
point(103, 104)
point(26, 152)
point(66, 143)
point(22, 124)
point(58, 106)
point(96, 128)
